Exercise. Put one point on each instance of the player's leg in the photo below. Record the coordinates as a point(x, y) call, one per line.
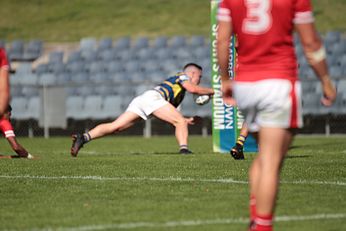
point(273, 143)
point(237, 151)
point(124, 121)
point(171, 115)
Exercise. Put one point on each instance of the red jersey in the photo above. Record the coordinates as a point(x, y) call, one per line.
point(6, 128)
point(4, 64)
point(263, 29)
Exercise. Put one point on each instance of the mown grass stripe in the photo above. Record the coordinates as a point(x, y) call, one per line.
point(168, 224)
point(173, 179)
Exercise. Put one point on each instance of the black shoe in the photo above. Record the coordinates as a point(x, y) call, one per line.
point(77, 144)
point(185, 151)
point(237, 152)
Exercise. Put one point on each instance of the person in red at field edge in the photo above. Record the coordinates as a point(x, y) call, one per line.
point(267, 67)
point(4, 81)
point(7, 130)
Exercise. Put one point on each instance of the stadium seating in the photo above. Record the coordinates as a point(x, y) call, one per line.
point(105, 75)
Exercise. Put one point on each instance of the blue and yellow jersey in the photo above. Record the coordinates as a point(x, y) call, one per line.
point(172, 90)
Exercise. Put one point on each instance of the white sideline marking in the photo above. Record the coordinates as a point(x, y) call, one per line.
point(169, 224)
point(176, 179)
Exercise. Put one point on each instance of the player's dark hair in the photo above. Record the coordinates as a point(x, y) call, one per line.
point(193, 65)
point(9, 108)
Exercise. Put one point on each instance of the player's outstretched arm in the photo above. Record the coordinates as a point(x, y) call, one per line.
point(316, 56)
point(4, 90)
point(196, 89)
point(18, 148)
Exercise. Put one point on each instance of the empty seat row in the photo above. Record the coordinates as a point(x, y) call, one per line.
point(19, 50)
point(123, 43)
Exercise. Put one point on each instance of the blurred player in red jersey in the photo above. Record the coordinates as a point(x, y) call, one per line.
point(7, 130)
point(4, 81)
point(267, 67)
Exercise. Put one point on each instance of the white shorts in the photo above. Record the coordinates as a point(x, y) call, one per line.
point(270, 103)
point(145, 104)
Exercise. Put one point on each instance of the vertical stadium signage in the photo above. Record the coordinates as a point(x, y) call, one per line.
point(226, 120)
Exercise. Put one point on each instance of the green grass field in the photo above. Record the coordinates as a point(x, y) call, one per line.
point(131, 183)
point(70, 20)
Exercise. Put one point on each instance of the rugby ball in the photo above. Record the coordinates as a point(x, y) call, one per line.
point(202, 99)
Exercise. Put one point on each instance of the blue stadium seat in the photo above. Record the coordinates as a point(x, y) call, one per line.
point(188, 106)
point(16, 50)
point(32, 50)
point(145, 54)
point(56, 57)
point(343, 61)
point(96, 67)
point(200, 52)
point(114, 67)
point(107, 55)
point(71, 91)
point(80, 77)
point(74, 56)
point(100, 77)
point(332, 37)
point(119, 78)
point(308, 86)
point(34, 107)
point(29, 91)
point(42, 68)
point(112, 107)
point(197, 41)
point(335, 72)
point(92, 107)
point(137, 76)
point(85, 90)
point(88, 55)
point(133, 66)
point(47, 79)
point(177, 41)
point(20, 108)
point(164, 53)
point(160, 42)
point(125, 101)
point(56, 68)
point(182, 53)
point(75, 67)
point(26, 79)
point(140, 43)
point(341, 86)
point(122, 43)
point(337, 51)
point(104, 90)
point(140, 89)
point(105, 44)
point(311, 104)
point(63, 78)
point(74, 107)
point(124, 90)
point(155, 76)
point(170, 66)
point(16, 90)
point(24, 68)
point(88, 44)
point(332, 60)
point(127, 55)
point(149, 65)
